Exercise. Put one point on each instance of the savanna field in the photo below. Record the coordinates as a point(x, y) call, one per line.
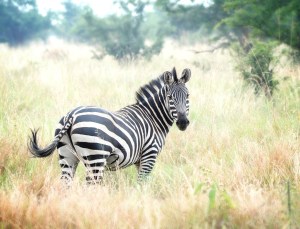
point(236, 166)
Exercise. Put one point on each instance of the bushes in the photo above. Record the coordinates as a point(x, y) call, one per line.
point(256, 67)
point(121, 36)
point(21, 22)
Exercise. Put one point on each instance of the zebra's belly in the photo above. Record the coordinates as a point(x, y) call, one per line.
point(117, 161)
point(114, 159)
point(112, 162)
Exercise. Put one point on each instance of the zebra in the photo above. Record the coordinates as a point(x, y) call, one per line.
point(133, 135)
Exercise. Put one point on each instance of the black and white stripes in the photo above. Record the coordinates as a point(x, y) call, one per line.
point(112, 140)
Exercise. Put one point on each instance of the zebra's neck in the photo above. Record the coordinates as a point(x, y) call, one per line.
point(158, 111)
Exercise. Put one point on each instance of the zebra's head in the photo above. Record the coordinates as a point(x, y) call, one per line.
point(178, 96)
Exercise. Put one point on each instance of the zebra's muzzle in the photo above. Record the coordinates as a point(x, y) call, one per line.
point(182, 122)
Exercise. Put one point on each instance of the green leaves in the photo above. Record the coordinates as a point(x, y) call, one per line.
point(20, 22)
point(198, 188)
point(279, 20)
point(122, 36)
point(212, 197)
point(218, 198)
point(256, 67)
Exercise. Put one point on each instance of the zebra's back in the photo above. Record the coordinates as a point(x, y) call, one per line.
point(96, 131)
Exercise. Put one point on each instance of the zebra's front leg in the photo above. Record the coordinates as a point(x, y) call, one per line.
point(146, 165)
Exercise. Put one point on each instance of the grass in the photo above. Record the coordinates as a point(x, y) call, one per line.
point(228, 170)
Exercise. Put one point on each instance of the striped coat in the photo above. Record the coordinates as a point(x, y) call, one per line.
point(134, 135)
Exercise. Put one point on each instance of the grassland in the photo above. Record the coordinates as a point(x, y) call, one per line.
point(230, 169)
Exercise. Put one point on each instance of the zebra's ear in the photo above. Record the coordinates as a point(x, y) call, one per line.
point(174, 74)
point(168, 78)
point(186, 75)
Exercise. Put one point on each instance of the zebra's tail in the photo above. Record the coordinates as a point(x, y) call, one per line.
point(36, 151)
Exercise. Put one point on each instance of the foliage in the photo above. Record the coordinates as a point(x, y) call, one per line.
point(123, 37)
point(279, 20)
point(250, 23)
point(182, 17)
point(256, 67)
point(198, 17)
point(20, 22)
point(238, 20)
point(70, 18)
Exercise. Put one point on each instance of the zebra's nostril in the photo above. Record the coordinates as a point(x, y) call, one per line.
point(183, 122)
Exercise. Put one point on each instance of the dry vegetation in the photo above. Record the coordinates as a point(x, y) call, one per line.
point(228, 170)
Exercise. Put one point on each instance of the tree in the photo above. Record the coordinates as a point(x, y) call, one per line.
point(20, 22)
point(278, 20)
point(263, 21)
point(183, 18)
point(69, 21)
point(123, 37)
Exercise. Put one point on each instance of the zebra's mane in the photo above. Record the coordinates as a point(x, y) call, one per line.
point(149, 89)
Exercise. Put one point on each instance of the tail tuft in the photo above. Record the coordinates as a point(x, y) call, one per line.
point(35, 150)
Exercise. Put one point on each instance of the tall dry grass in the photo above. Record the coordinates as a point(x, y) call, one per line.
point(228, 170)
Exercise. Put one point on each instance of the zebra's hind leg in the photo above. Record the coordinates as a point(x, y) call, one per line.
point(95, 165)
point(68, 160)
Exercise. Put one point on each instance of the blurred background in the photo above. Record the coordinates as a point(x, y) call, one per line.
point(131, 29)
